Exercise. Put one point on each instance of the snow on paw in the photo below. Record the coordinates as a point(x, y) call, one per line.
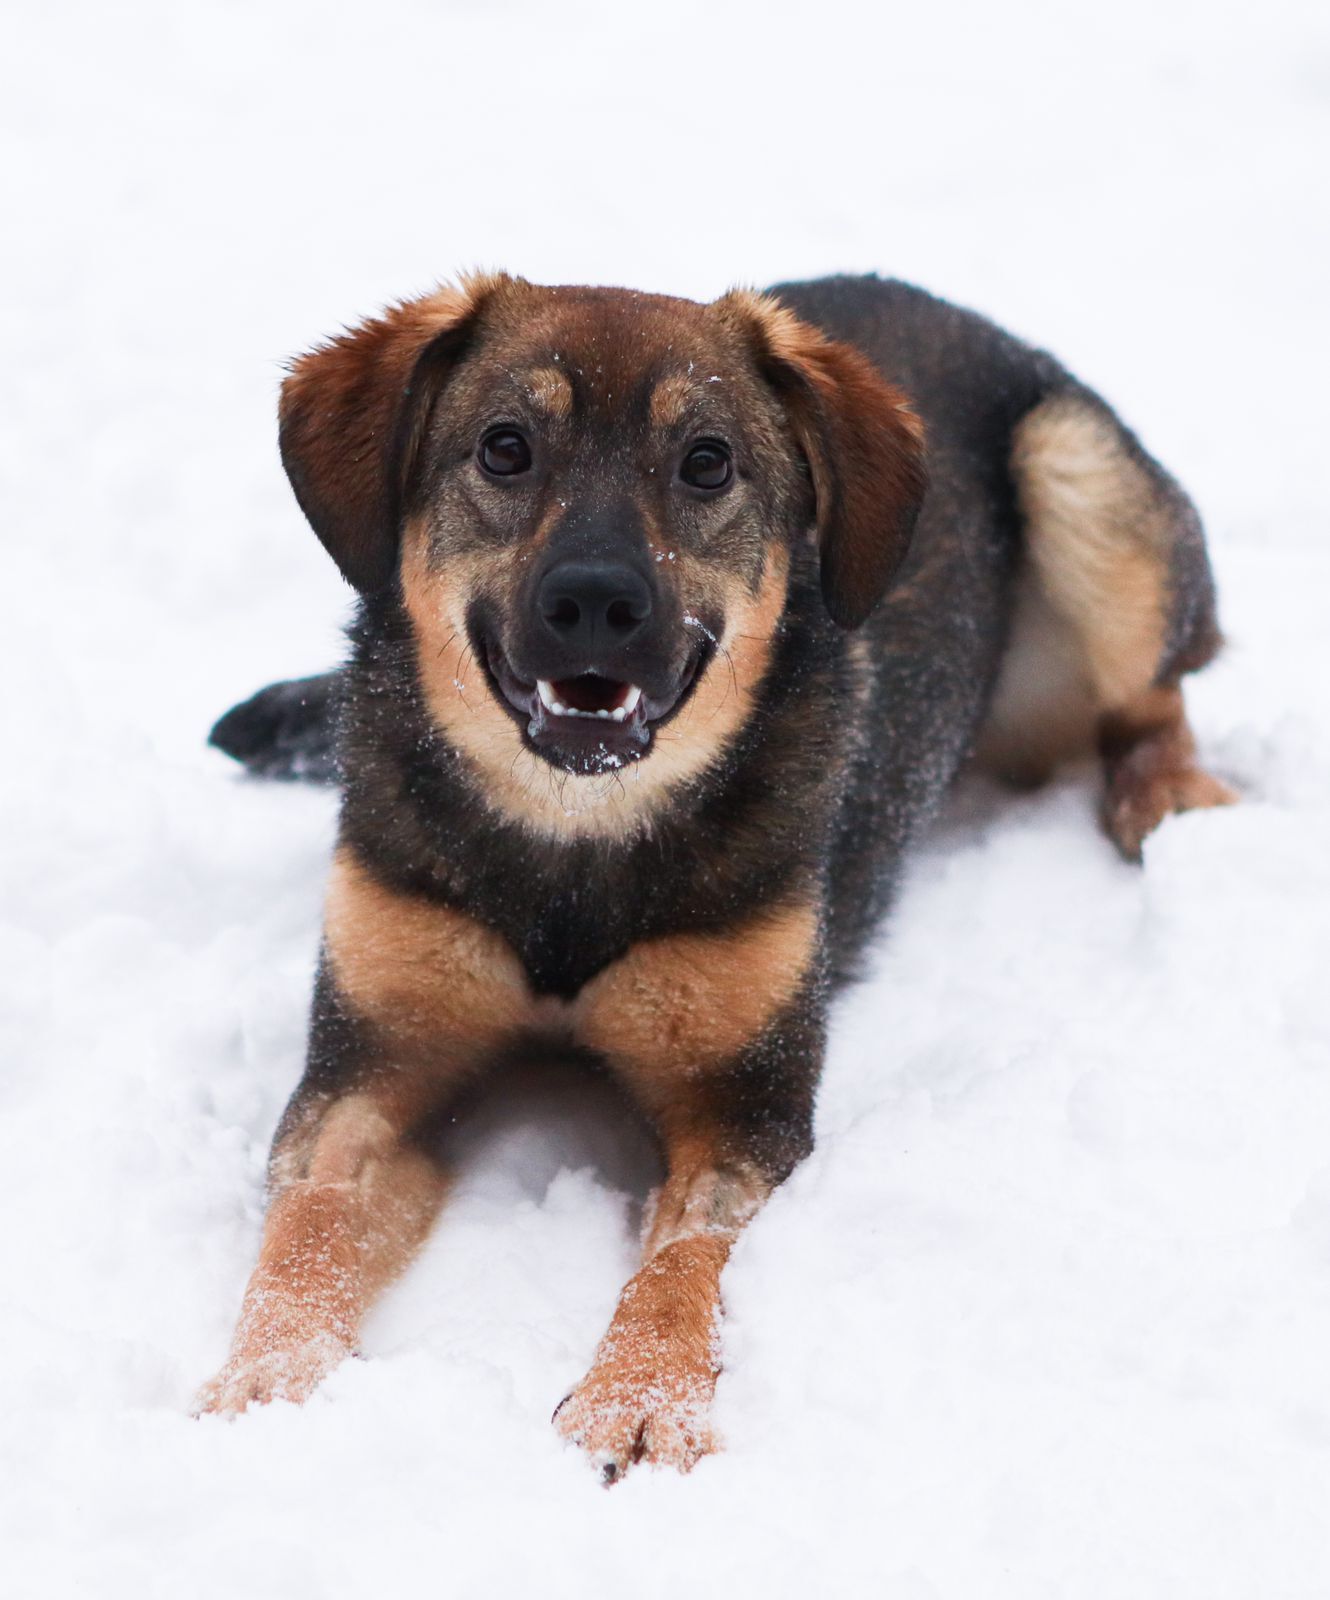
point(618, 1418)
point(291, 1373)
point(1135, 806)
point(648, 1394)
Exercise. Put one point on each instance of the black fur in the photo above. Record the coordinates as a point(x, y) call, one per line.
point(288, 730)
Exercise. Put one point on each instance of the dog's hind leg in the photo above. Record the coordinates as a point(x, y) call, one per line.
point(1115, 604)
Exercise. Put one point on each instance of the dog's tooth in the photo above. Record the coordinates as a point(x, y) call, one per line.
point(630, 700)
point(618, 713)
point(602, 712)
point(545, 689)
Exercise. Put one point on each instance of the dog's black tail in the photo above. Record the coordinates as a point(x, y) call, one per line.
point(287, 730)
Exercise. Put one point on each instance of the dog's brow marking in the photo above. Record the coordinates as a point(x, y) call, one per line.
point(671, 400)
point(548, 389)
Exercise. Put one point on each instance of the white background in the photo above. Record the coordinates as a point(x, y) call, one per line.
point(1048, 1312)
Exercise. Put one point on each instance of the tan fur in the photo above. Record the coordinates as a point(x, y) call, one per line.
point(1151, 769)
point(439, 983)
point(721, 703)
point(701, 1194)
point(1090, 618)
point(1089, 628)
point(516, 782)
point(333, 1238)
point(649, 1391)
point(549, 391)
point(673, 1007)
point(1099, 537)
point(1043, 709)
point(671, 400)
point(863, 668)
point(424, 974)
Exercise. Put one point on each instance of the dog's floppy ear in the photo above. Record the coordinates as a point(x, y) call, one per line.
point(863, 444)
point(352, 415)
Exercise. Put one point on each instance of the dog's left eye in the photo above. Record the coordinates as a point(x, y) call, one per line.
point(707, 465)
point(504, 453)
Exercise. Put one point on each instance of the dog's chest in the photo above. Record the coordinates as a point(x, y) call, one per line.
point(563, 940)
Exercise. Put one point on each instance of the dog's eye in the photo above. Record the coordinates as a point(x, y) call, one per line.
point(706, 466)
point(504, 453)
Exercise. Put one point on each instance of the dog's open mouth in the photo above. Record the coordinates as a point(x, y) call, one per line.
point(589, 695)
point(591, 722)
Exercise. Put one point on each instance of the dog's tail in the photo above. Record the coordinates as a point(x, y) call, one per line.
point(287, 730)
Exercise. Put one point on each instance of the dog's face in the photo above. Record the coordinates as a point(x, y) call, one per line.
point(589, 498)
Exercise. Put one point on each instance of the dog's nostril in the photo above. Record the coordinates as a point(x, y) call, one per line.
point(623, 614)
point(564, 613)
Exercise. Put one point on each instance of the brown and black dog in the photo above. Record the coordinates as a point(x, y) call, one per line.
point(676, 622)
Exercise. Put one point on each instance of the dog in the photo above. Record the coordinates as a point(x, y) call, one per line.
point(676, 622)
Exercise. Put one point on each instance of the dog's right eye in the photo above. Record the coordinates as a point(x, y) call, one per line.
point(503, 453)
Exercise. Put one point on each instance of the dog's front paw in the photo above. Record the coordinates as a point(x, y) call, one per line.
point(621, 1415)
point(252, 1378)
point(648, 1394)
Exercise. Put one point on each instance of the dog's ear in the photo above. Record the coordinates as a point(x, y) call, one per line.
point(863, 444)
point(352, 416)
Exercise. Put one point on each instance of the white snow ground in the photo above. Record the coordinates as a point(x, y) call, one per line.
point(1048, 1312)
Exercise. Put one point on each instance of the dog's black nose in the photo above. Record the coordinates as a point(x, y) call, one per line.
point(593, 604)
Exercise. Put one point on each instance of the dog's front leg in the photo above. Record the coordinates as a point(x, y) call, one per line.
point(721, 1037)
point(413, 999)
point(351, 1198)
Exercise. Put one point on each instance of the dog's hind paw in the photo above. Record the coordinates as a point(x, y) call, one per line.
point(1137, 802)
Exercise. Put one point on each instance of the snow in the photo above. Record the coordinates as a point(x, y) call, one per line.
point(1048, 1312)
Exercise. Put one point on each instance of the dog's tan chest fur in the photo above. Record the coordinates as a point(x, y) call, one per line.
point(436, 979)
point(420, 971)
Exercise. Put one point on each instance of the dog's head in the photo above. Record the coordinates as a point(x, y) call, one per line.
point(589, 498)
